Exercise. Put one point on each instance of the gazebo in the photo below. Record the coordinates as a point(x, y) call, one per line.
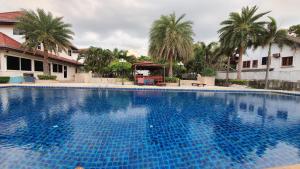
point(149, 73)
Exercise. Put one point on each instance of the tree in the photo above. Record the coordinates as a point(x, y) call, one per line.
point(209, 50)
point(117, 67)
point(171, 39)
point(295, 29)
point(213, 55)
point(41, 28)
point(241, 30)
point(145, 58)
point(96, 59)
point(272, 36)
point(197, 63)
point(229, 53)
point(119, 54)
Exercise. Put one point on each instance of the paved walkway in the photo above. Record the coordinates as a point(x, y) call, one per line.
point(97, 85)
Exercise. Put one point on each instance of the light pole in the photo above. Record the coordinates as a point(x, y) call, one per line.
point(122, 61)
point(180, 64)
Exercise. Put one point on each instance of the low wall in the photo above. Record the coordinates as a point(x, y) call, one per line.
point(275, 84)
point(290, 76)
point(87, 78)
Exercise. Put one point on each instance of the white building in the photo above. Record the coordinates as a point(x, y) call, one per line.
point(16, 62)
point(285, 65)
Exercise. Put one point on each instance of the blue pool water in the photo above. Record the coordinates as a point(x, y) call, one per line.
point(93, 128)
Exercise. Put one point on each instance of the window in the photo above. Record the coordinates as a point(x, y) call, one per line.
point(60, 68)
point(12, 63)
point(38, 66)
point(16, 63)
point(246, 64)
point(18, 32)
point(57, 68)
point(254, 63)
point(69, 52)
point(287, 61)
point(25, 64)
point(264, 61)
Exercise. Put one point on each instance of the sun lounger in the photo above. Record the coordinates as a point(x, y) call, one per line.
point(199, 84)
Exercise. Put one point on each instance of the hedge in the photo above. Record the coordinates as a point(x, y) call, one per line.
point(222, 82)
point(4, 79)
point(171, 79)
point(46, 77)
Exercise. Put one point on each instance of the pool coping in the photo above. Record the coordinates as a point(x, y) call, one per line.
point(155, 88)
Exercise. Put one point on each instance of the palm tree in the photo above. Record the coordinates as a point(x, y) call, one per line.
point(209, 50)
point(241, 30)
point(272, 36)
point(43, 28)
point(171, 39)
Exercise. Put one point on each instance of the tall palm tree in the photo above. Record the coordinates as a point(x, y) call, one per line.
point(272, 36)
point(171, 39)
point(43, 28)
point(241, 30)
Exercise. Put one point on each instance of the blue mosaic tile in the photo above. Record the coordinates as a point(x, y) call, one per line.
point(58, 128)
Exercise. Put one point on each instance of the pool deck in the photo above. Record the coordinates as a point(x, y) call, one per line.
point(297, 166)
point(184, 88)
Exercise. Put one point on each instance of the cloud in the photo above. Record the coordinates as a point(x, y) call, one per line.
point(125, 24)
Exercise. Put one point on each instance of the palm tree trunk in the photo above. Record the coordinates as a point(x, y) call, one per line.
point(171, 66)
point(240, 63)
point(268, 67)
point(45, 62)
point(227, 70)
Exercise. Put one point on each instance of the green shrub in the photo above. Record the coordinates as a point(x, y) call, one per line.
point(46, 77)
point(239, 82)
point(208, 72)
point(222, 82)
point(171, 79)
point(4, 79)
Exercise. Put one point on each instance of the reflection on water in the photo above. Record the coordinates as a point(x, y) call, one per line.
point(146, 129)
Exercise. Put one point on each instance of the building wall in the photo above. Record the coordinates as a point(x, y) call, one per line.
point(291, 76)
point(276, 63)
point(279, 72)
point(8, 30)
point(14, 73)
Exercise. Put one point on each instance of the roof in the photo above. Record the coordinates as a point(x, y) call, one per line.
point(10, 17)
point(9, 43)
point(147, 65)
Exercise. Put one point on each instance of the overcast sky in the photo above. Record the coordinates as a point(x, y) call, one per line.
point(125, 23)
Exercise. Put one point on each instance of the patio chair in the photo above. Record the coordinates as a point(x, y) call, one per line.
point(140, 81)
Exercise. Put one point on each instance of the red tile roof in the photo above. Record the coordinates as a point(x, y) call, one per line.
point(10, 16)
point(9, 43)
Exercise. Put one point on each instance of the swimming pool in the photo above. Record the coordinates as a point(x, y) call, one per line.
point(98, 128)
